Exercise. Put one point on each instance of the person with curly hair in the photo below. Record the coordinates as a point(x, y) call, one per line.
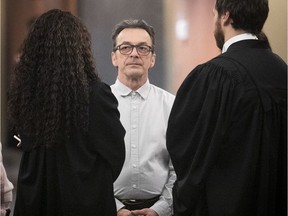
point(68, 122)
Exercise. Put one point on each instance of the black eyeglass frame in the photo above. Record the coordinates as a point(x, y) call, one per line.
point(134, 46)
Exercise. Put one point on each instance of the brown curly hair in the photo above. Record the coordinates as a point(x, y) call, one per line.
point(49, 90)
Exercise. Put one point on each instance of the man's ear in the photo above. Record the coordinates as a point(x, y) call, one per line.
point(114, 59)
point(153, 61)
point(226, 19)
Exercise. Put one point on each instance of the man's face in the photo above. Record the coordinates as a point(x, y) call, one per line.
point(218, 31)
point(133, 66)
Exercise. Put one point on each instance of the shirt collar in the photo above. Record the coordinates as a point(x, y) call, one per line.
point(123, 90)
point(240, 37)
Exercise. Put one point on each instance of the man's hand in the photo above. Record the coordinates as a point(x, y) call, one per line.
point(144, 212)
point(124, 212)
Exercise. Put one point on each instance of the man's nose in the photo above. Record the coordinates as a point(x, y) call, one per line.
point(134, 52)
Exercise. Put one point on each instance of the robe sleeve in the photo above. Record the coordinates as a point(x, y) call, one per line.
point(197, 126)
point(106, 131)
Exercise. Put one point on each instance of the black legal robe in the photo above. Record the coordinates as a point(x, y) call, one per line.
point(227, 135)
point(75, 178)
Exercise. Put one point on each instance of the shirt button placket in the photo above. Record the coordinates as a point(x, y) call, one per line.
point(134, 138)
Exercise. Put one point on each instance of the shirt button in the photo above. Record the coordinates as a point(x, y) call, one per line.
point(134, 165)
point(133, 126)
point(134, 107)
point(133, 146)
point(134, 186)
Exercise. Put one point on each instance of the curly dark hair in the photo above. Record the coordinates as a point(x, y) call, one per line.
point(49, 90)
point(248, 15)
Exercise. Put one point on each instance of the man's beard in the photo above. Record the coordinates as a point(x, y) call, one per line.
point(219, 35)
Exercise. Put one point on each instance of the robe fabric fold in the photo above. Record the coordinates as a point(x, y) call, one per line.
point(227, 135)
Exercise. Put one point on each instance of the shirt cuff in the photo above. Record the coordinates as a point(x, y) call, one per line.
point(162, 208)
point(119, 205)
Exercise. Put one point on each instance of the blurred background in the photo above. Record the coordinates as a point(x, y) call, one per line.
point(184, 39)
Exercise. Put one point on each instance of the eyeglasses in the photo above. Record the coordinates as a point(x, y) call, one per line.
point(126, 49)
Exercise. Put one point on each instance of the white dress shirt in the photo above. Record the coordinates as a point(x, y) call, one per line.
point(240, 37)
point(147, 170)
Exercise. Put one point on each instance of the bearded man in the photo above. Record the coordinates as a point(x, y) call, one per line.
point(227, 131)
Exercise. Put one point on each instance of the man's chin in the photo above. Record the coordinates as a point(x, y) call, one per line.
point(135, 75)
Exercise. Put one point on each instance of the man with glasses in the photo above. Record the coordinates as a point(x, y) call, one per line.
point(144, 186)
